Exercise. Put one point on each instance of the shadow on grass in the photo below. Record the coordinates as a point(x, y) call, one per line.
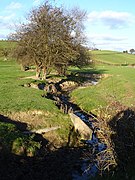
point(108, 53)
point(81, 76)
point(123, 140)
point(86, 74)
point(45, 164)
point(123, 124)
point(88, 71)
point(20, 125)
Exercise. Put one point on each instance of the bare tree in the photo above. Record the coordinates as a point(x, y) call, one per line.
point(47, 39)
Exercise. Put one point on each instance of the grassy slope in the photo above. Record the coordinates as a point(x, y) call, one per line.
point(14, 98)
point(6, 44)
point(119, 86)
point(113, 57)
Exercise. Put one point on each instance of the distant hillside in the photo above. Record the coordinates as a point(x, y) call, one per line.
point(7, 44)
point(113, 57)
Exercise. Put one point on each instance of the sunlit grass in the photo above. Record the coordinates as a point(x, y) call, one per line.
point(15, 98)
point(118, 86)
point(113, 57)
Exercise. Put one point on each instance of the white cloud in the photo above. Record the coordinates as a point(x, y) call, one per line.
point(112, 19)
point(14, 5)
point(7, 18)
point(2, 36)
point(36, 2)
point(6, 22)
point(106, 37)
point(108, 41)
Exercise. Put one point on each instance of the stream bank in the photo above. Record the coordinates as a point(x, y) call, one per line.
point(93, 160)
point(87, 167)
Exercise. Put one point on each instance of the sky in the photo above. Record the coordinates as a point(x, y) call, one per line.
point(110, 24)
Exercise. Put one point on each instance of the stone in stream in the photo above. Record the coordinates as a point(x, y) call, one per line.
point(51, 88)
point(68, 84)
point(81, 127)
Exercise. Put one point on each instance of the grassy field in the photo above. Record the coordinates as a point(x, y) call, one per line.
point(112, 100)
point(23, 105)
point(7, 44)
point(27, 104)
point(113, 57)
point(117, 85)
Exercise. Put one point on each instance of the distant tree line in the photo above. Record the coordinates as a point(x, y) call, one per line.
point(131, 51)
point(51, 38)
point(125, 51)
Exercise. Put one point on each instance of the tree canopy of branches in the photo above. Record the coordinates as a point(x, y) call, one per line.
point(52, 37)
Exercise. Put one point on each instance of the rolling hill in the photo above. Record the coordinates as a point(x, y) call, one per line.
point(113, 57)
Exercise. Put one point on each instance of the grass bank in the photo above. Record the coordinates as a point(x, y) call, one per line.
point(116, 85)
point(113, 101)
point(113, 57)
point(27, 104)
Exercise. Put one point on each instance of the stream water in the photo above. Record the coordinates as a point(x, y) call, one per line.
point(86, 167)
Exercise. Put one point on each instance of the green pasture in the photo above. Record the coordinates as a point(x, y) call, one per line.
point(113, 57)
point(6, 44)
point(15, 98)
point(119, 85)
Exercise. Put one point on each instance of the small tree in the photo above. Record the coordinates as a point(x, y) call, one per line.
point(132, 51)
point(46, 41)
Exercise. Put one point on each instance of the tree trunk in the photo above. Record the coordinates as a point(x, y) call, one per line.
point(22, 67)
point(38, 72)
point(44, 73)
